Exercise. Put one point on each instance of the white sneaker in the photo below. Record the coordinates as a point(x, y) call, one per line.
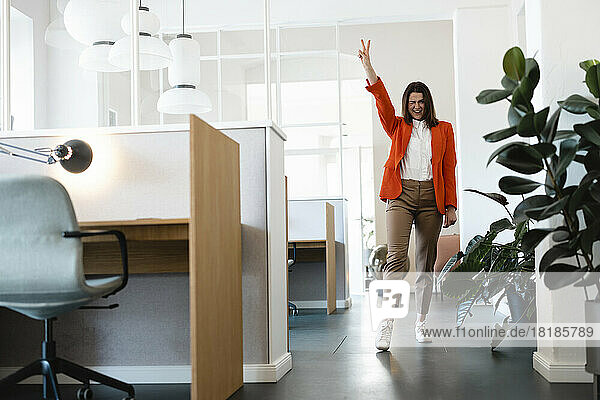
point(384, 334)
point(420, 333)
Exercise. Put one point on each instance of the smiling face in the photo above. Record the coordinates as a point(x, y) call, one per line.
point(416, 105)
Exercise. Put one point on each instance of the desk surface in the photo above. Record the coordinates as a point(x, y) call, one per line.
point(141, 221)
point(150, 229)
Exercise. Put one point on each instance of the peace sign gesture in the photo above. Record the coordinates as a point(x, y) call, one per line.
point(365, 58)
point(363, 54)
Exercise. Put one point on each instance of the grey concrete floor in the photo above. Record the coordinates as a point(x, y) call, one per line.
point(334, 358)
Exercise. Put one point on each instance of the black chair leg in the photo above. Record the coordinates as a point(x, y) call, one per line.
point(85, 375)
point(50, 384)
point(35, 368)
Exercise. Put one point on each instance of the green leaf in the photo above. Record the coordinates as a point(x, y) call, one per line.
point(497, 197)
point(576, 104)
point(540, 118)
point(590, 131)
point(503, 148)
point(595, 191)
point(532, 71)
point(520, 230)
point(593, 112)
point(578, 197)
point(532, 124)
point(545, 149)
point(526, 127)
point(589, 279)
point(561, 234)
point(529, 203)
point(527, 87)
point(521, 99)
point(534, 237)
point(589, 236)
point(560, 275)
point(551, 126)
point(560, 180)
point(514, 64)
point(554, 253)
point(517, 185)
point(550, 210)
point(464, 309)
point(591, 160)
point(500, 225)
point(592, 80)
point(514, 116)
point(568, 148)
point(522, 159)
point(509, 84)
point(500, 135)
point(563, 134)
point(585, 65)
point(492, 95)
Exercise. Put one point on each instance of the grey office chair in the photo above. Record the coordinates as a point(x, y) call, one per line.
point(41, 274)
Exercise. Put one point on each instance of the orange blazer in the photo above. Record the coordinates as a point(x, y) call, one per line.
point(443, 153)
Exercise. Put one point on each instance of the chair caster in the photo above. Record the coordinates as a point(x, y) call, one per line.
point(128, 398)
point(84, 393)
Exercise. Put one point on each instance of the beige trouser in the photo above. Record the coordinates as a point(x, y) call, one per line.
point(415, 204)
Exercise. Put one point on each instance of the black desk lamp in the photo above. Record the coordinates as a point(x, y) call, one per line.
point(75, 155)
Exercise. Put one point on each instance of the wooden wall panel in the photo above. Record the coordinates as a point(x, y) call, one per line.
point(215, 263)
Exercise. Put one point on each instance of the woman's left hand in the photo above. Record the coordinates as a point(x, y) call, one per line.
point(450, 217)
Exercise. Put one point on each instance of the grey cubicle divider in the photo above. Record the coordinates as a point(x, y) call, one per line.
point(307, 281)
point(151, 326)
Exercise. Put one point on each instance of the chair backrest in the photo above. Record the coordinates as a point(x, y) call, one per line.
point(447, 246)
point(34, 257)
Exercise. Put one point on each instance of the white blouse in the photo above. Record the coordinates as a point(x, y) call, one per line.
point(416, 163)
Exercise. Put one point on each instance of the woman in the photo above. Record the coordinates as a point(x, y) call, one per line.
point(418, 186)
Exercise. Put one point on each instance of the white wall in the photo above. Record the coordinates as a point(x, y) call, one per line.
point(478, 57)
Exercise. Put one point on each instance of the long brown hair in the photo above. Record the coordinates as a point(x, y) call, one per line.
point(429, 115)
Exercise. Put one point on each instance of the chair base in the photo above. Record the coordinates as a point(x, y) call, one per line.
point(292, 308)
point(49, 368)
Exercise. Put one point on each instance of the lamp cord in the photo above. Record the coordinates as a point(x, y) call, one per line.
point(183, 16)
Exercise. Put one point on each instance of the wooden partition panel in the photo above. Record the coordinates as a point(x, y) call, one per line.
point(215, 263)
point(330, 256)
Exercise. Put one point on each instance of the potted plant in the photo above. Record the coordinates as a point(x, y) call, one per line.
point(542, 147)
point(493, 270)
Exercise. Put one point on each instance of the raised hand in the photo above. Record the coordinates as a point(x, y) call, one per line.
point(365, 58)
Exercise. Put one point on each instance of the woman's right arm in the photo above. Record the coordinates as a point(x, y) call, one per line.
point(385, 108)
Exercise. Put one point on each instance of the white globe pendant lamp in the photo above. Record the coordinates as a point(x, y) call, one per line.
point(61, 5)
point(95, 24)
point(184, 77)
point(57, 36)
point(153, 52)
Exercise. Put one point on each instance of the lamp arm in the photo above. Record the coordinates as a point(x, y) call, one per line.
point(37, 153)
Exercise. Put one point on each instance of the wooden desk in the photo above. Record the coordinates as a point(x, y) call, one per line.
point(312, 250)
point(154, 246)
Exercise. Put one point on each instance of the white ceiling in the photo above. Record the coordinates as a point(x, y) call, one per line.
point(230, 13)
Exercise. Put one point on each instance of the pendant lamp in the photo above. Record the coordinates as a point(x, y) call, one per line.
point(153, 52)
point(94, 23)
point(56, 34)
point(184, 77)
